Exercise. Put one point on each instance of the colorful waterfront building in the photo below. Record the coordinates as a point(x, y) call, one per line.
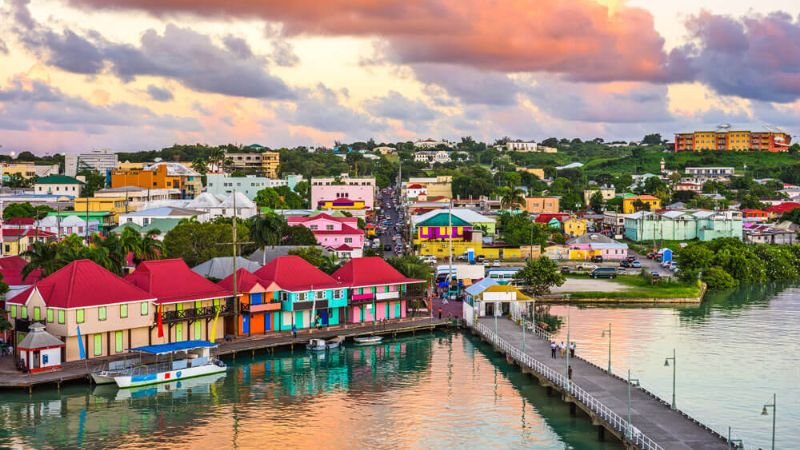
point(308, 295)
point(376, 290)
point(112, 314)
point(187, 303)
point(337, 234)
point(260, 306)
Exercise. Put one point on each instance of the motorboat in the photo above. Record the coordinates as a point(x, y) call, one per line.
point(317, 345)
point(201, 384)
point(335, 342)
point(368, 340)
point(169, 362)
point(113, 368)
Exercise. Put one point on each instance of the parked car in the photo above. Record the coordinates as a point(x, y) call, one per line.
point(624, 263)
point(597, 259)
point(604, 272)
point(496, 263)
point(585, 266)
point(630, 259)
point(655, 275)
point(673, 267)
point(636, 265)
point(565, 269)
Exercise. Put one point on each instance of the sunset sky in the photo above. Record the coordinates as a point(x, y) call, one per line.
point(77, 75)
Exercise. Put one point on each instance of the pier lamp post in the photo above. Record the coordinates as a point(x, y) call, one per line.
point(609, 345)
point(635, 382)
point(734, 444)
point(674, 373)
point(764, 412)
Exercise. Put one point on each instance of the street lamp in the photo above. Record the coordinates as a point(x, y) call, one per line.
point(635, 382)
point(764, 412)
point(734, 444)
point(609, 345)
point(674, 373)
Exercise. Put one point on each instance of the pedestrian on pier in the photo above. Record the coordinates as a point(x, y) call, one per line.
point(294, 331)
point(569, 371)
point(553, 349)
point(572, 350)
point(440, 312)
point(563, 349)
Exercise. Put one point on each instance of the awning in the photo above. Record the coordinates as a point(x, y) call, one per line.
point(163, 349)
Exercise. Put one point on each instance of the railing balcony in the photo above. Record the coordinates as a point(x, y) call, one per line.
point(204, 312)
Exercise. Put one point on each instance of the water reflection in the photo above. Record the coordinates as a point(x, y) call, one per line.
point(440, 391)
point(735, 299)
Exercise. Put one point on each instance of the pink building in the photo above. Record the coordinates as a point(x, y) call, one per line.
point(338, 234)
point(354, 189)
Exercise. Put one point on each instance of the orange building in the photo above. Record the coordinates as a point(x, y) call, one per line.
point(766, 141)
point(160, 176)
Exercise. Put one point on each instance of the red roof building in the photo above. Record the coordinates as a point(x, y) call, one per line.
point(172, 281)
point(11, 269)
point(295, 274)
point(754, 214)
point(19, 222)
point(258, 303)
point(245, 282)
point(370, 271)
point(334, 232)
point(782, 208)
point(546, 218)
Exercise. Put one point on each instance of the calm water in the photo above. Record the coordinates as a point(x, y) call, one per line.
point(733, 352)
point(441, 391)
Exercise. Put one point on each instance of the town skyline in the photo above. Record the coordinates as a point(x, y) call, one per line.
point(79, 75)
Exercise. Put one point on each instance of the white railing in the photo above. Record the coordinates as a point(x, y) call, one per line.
point(614, 420)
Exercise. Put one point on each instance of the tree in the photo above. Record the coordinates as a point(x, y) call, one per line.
point(25, 210)
point(652, 139)
point(473, 182)
point(639, 205)
point(200, 165)
point(298, 235)
point(597, 202)
point(197, 242)
point(270, 198)
point(313, 255)
point(267, 229)
point(512, 198)
point(41, 255)
point(94, 182)
point(539, 275)
point(290, 198)
point(518, 229)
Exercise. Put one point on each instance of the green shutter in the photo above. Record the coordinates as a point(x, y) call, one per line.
point(143, 308)
point(50, 316)
point(123, 311)
point(13, 311)
point(179, 332)
point(98, 344)
point(24, 312)
point(198, 330)
point(62, 316)
point(101, 313)
point(118, 341)
point(37, 313)
point(79, 316)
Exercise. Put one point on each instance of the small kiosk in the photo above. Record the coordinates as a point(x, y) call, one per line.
point(40, 351)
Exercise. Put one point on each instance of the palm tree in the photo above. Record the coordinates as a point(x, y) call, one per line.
point(267, 229)
point(512, 198)
point(151, 247)
point(329, 263)
point(41, 255)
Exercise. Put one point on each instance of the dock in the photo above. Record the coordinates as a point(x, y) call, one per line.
point(78, 371)
point(603, 397)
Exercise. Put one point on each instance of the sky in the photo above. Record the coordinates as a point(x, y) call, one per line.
point(79, 75)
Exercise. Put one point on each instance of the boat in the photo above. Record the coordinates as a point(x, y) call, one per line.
point(317, 345)
point(187, 359)
point(200, 384)
point(368, 340)
point(335, 342)
point(113, 368)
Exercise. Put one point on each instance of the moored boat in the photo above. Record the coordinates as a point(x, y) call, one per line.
point(335, 342)
point(317, 345)
point(187, 359)
point(368, 340)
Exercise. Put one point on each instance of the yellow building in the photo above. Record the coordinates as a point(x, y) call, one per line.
point(269, 164)
point(341, 204)
point(742, 140)
point(538, 173)
point(542, 205)
point(114, 205)
point(629, 203)
point(160, 176)
point(738, 141)
point(575, 227)
point(28, 170)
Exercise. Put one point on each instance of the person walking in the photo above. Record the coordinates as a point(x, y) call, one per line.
point(572, 350)
point(563, 349)
point(440, 312)
point(569, 371)
point(294, 330)
point(553, 349)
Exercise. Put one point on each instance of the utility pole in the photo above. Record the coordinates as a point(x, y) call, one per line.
point(235, 243)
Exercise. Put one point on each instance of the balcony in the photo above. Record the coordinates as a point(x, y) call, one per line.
point(308, 305)
point(206, 312)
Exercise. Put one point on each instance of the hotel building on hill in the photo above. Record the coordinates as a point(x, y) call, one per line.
point(737, 141)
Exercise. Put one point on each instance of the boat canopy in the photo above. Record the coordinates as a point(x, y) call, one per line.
point(162, 349)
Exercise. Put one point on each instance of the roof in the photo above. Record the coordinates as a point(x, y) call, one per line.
point(783, 207)
point(346, 229)
point(507, 288)
point(443, 219)
point(173, 169)
point(245, 281)
point(241, 201)
point(172, 281)
point(16, 233)
point(20, 221)
point(11, 269)
point(58, 179)
point(162, 349)
point(465, 214)
point(222, 266)
point(546, 217)
point(169, 211)
point(293, 273)
point(344, 248)
point(83, 284)
point(293, 220)
point(641, 197)
point(480, 286)
point(39, 338)
point(592, 238)
point(370, 271)
point(415, 186)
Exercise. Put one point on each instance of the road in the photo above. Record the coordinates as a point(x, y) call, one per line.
point(386, 198)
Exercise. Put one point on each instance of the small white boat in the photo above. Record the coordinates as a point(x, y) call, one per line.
point(317, 345)
point(368, 340)
point(187, 359)
point(114, 368)
point(335, 342)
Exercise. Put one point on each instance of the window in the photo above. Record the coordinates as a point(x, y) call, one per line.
point(61, 316)
point(101, 313)
point(348, 240)
point(313, 227)
point(98, 344)
point(143, 308)
point(50, 316)
point(301, 297)
point(79, 316)
point(329, 227)
point(24, 312)
point(13, 311)
point(337, 293)
point(123, 311)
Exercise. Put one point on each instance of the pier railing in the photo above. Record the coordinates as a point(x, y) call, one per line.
point(614, 420)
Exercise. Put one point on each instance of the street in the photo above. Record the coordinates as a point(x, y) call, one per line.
point(390, 225)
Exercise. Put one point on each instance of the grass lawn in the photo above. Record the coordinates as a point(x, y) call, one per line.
point(638, 287)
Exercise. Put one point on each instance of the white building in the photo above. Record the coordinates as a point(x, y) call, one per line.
point(430, 143)
point(384, 150)
point(101, 161)
point(145, 216)
point(710, 172)
point(223, 185)
point(138, 196)
point(432, 156)
point(64, 226)
point(525, 147)
point(58, 185)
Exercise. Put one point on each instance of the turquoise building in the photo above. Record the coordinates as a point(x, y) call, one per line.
point(683, 225)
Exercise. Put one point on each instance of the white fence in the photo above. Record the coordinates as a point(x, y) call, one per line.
point(614, 420)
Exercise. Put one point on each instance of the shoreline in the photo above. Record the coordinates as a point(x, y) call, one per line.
point(601, 298)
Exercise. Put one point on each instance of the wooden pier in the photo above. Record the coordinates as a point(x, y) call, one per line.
point(76, 371)
point(654, 425)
